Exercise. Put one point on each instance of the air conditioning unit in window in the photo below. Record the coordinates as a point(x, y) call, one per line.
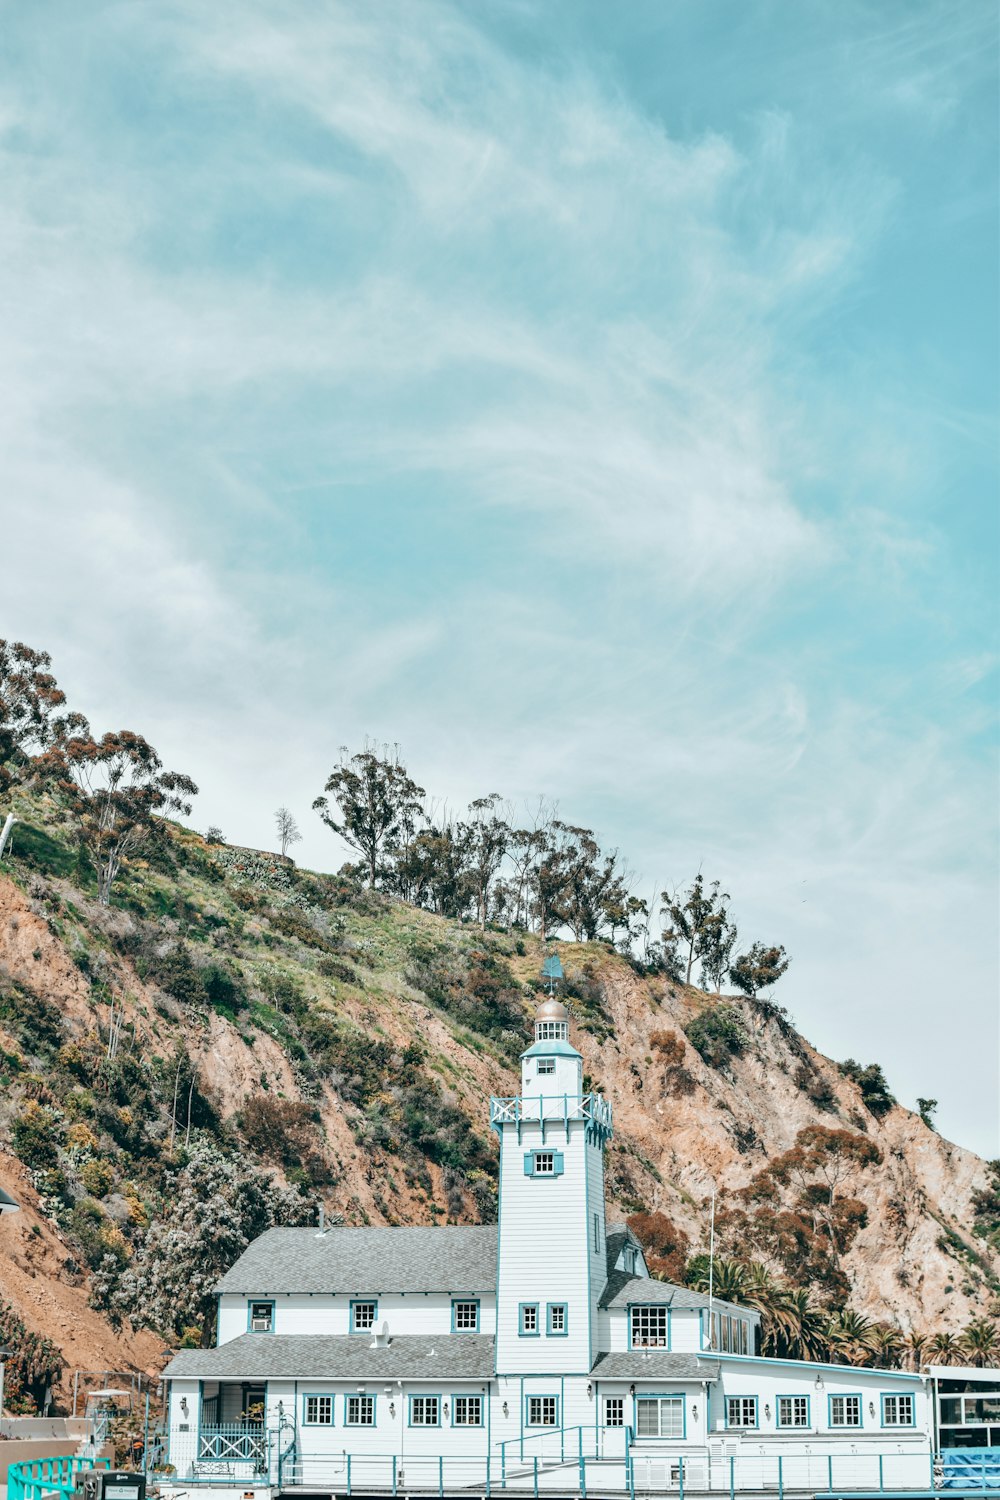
point(261, 1323)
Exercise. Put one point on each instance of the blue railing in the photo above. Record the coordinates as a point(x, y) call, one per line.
point(47, 1476)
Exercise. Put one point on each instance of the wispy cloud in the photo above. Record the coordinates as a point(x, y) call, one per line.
point(368, 371)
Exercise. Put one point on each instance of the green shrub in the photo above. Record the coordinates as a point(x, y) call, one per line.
point(718, 1034)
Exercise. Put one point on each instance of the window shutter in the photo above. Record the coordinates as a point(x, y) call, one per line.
point(557, 1165)
point(529, 1164)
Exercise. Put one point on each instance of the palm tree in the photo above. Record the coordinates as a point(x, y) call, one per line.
point(887, 1341)
point(916, 1343)
point(944, 1348)
point(851, 1336)
point(807, 1324)
point(980, 1340)
point(728, 1277)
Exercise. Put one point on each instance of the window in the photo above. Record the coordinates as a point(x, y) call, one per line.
point(363, 1316)
point(546, 1065)
point(557, 1319)
point(528, 1320)
point(465, 1317)
point(897, 1411)
point(659, 1416)
point(550, 1031)
point(317, 1411)
point(793, 1411)
point(741, 1411)
point(360, 1411)
point(845, 1411)
point(467, 1411)
point(260, 1317)
point(614, 1411)
point(543, 1411)
point(650, 1328)
point(744, 1337)
point(543, 1163)
point(425, 1411)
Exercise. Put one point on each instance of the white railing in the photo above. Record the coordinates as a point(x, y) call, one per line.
point(593, 1108)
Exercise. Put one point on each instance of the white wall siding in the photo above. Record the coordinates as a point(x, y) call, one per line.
point(543, 1247)
point(409, 1312)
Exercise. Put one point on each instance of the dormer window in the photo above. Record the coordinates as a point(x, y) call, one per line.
point(260, 1317)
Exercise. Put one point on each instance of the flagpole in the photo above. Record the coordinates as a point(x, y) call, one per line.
point(711, 1275)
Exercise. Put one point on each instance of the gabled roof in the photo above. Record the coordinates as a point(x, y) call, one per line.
point(622, 1290)
point(618, 1236)
point(451, 1258)
point(654, 1364)
point(320, 1356)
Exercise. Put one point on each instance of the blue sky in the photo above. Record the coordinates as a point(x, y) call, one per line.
point(598, 400)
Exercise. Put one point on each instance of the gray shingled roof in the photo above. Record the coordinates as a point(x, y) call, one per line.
point(622, 1289)
point(618, 1236)
point(452, 1258)
point(320, 1356)
point(654, 1364)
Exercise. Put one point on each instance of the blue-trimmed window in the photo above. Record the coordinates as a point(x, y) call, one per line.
point(260, 1317)
point(364, 1315)
point(359, 1411)
point(557, 1320)
point(546, 1065)
point(425, 1411)
point(317, 1410)
point(660, 1417)
point(898, 1411)
point(543, 1164)
point(741, 1411)
point(541, 1411)
point(527, 1320)
point(466, 1411)
point(649, 1327)
point(793, 1411)
point(464, 1315)
point(845, 1411)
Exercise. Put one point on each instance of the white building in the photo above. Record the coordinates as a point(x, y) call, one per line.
point(536, 1353)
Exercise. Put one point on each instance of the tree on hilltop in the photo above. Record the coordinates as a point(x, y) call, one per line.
point(32, 720)
point(116, 787)
point(758, 968)
point(485, 839)
point(379, 803)
point(689, 913)
point(287, 829)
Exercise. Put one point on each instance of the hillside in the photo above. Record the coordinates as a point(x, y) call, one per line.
point(345, 1044)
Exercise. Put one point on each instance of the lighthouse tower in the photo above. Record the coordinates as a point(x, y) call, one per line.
point(551, 1262)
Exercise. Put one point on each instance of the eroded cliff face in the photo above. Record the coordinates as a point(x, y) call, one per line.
point(681, 1125)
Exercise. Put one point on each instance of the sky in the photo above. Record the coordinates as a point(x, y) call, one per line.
point(600, 401)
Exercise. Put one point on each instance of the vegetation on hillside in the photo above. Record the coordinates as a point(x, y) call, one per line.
point(157, 1188)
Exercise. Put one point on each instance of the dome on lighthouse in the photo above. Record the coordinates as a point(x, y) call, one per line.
point(552, 1021)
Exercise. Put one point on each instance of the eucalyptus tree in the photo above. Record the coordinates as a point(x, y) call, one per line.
point(33, 719)
point(759, 968)
point(378, 805)
point(117, 787)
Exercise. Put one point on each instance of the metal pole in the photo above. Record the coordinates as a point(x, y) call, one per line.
point(441, 1475)
point(348, 1473)
point(829, 1470)
point(145, 1438)
point(536, 1476)
point(881, 1476)
point(711, 1274)
point(680, 1477)
point(781, 1480)
point(732, 1476)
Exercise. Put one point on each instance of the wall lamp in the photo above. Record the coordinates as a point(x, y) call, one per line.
point(184, 1405)
point(631, 1390)
point(590, 1390)
point(506, 1410)
point(694, 1414)
point(767, 1412)
point(444, 1408)
point(871, 1408)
